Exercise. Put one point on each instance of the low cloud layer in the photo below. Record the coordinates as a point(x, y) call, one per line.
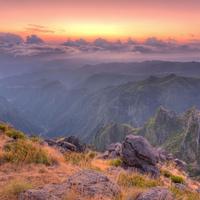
point(14, 45)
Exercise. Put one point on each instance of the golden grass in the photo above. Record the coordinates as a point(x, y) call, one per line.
point(25, 151)
point(134, 179)
point(83, 160)
point(185, 194)
point(13, 189)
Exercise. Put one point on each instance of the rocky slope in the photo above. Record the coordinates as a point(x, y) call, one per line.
point(31, 169)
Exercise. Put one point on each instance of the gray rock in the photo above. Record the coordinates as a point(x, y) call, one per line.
point(113, 151)
point(49, 192)
point(86, 183)
point(67, 144)
point(180, 186)
point(157, 193)
point(180, 164)
point(138, 153)
point(91, 183)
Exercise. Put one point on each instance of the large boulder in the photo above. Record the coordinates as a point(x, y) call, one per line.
point(74, 141)
point(91, 184)
point(86, 184)
point(137, 152)
point(157, 193)
point(66, 144)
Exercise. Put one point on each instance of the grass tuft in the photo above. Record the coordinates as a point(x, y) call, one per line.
point(80, 159)
point(137, 180)
point(177, 179)
point(25, 151)
point(116, 162)
point(14, 188)
point(184, 194)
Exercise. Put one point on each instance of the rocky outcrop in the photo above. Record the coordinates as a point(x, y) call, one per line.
point(49, 192)
point(162, 127)
point(86, 183)
point(137, 152)
point(157, 193)
point(190, 146)
point(67, 144)
point(90, 183)
point(113, 151)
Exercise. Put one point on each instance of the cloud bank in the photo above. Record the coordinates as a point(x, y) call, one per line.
point(14, 45)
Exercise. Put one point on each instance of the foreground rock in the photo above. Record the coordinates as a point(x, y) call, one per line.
point(67, 144)
point(90, 183)
point(157, 193)
point(138, 153)
point(49, 192)
point(86, 183)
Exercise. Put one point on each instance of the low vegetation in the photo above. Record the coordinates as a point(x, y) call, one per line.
point(13, 189)
point(116, 162)
point(173, 178)
point(25, 151)
point(184, 194)
point(134, 179)
point(80, 159)
point(177, 179)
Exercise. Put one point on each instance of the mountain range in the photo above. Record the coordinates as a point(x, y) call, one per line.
point(78, 101)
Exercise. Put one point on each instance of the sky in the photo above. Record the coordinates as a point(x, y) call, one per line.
point(58, 20)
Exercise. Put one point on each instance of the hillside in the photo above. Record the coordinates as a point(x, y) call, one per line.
point(54, 173)
point(178, 134)
point(78, 101)
point(111, 133)
point(132, 103)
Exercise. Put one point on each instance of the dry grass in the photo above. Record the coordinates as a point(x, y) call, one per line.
point(12, 189)
point(25, 151)
point(16, 177)
point(134, 179)
point(185, 194)
point(83, 160)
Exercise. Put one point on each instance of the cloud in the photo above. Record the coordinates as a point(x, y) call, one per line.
point(153, 41)
point(34, 39)
point(38, 28)
point(10, 39)
point(76, 43)
point(14, 45)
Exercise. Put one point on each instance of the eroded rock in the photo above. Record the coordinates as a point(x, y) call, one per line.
point(157, 193)
point(137, 152)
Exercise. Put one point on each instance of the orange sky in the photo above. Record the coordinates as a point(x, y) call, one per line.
point(112, 19)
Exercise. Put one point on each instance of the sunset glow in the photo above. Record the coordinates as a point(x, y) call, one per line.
point(115, 19)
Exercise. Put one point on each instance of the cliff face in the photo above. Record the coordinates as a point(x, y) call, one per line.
point(162, 127)
point(111, 133)
point(178, 134)
point(190, 147)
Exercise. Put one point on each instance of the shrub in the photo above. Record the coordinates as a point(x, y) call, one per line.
point(77, 158)
point(25, 151)
point(184, 194)
point(166, 173)
point(177, 179)
point(137, 180)
point(15, 134)
point(14, 188)
point(36, 139)
point(91, 154)
point(116, 162)
point(80, 159)
point(3, 127)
